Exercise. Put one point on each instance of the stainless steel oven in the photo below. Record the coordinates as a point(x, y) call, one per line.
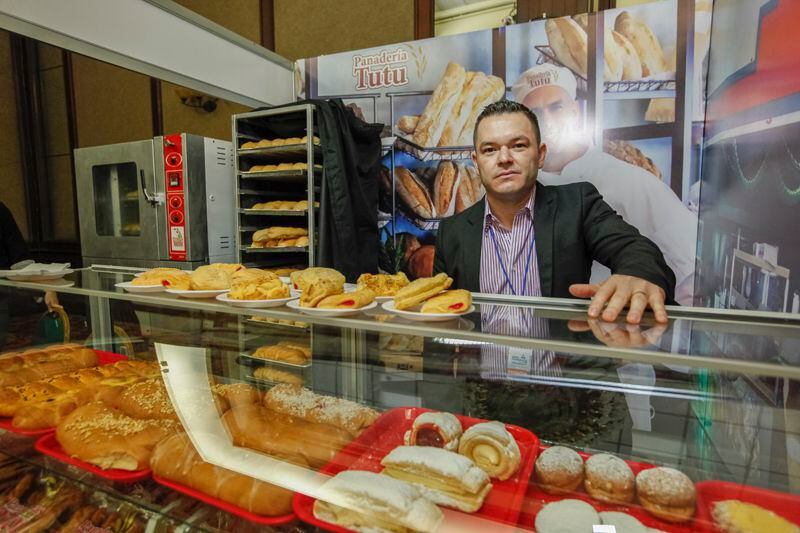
point(163, 201)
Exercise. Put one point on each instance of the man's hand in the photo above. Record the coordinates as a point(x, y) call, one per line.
point(620, 291)
point(619, 335)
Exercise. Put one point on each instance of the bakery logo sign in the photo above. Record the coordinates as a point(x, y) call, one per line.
point(384, 69)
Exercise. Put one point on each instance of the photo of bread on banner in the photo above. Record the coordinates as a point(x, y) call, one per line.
point(323, 288)
point(449, 117)
point(453, 188)
point(631, 49)
point(280, 237)
point(430, 295)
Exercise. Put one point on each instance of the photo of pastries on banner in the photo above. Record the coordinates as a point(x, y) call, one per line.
point(448, 118)
point(632, 51)
point(437, 191)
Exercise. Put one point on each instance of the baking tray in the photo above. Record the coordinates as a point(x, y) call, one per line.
point(503, 503)
point(103, 358)
point(227, 507)
point(272, 362)
point(280, 174)
point(274, 212)
point(282, 151)
point(537, 498)
point(275, 249)
point(293, 329)
point(709, 492)
point(49, 445)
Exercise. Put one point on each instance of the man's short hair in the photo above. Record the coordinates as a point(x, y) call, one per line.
point(502, 107)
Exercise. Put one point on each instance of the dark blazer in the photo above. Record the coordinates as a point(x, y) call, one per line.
point(573, 227)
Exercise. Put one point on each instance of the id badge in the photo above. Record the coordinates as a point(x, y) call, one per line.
point(520, 360)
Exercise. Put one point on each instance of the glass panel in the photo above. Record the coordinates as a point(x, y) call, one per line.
point(220, 376)
point(116, 197)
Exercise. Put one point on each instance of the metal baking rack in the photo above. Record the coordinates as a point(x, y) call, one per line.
point(274, 249)
point(439, 153)
point(644, 88)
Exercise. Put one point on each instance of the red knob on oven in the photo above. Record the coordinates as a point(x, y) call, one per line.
point(176, 217)
point(173, 159)
point(175, 202)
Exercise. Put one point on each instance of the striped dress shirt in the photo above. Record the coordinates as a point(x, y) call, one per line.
point(510, 249)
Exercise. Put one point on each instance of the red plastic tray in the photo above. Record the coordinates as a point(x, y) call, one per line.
point(503, 504)
point(537, 498)
point(708, 492)
point(103, 358)
point(49, 445)
point(227, 507)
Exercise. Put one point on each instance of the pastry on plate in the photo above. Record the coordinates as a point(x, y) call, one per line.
point(156, 276)
point(609, 479)
point(210, 278)
point(456, 301)
point(382, 284)
point(666, 493)
point(316, 284)
point(253, 275)
point(440, 430)
point(267, 289)
point(420, 290)
point(734, 516)
point(180, 281)
point(566, 516)
point(492, 448)
point(445, 477)
point(366, 501)
point(349, 300)
point(559, 470)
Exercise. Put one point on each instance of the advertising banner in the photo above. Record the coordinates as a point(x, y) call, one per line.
point(620, 99)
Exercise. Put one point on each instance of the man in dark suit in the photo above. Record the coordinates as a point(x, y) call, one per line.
point(490, 246)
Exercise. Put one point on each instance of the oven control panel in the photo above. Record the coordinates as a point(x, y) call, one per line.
point(176, 204)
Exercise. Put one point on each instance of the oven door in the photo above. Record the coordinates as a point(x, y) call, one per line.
point(120, 202)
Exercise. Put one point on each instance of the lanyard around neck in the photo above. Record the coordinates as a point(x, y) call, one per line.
point(503, 266)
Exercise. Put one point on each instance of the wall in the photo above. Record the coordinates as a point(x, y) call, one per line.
point(309, 28)
point(12, 192)
point(485, 15)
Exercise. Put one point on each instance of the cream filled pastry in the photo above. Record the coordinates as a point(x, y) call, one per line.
point(440, 430)
point(492, 448)
point(444, 477)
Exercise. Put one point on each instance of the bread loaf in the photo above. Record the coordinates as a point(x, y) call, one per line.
point(440, 105)
point(288, 437)
point(49, 363)
point(644, 41)
point(414, 193)
point(569, 43)
point(103, 436)
point(175, 459)
point(317, 408)
point(145, 399)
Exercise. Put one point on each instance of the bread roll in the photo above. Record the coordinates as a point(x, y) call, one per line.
point(414, 193)
point(209, 277)
point(302, 403)
point(105, 437)
point(176, 459)
point(55, 362)
point(146, 399)
point(285, 354)
point(631, 65)
point(569, 43)
point(437, 111)
point(275, 375)
point(444, 188)
point(278, 232)
point(490, 90)
point(408, 123)
point(420, 290)
point(613, 56)
point(284, 436)
point(644, 41)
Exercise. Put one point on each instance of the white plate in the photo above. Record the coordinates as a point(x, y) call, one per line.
point(128, 286)
point(424, 317)
point(286, 279)
point(196, 294)
point(313, 311)
point(277, 302)
point(40, 277)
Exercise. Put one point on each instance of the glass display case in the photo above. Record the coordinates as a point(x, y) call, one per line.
point(255, 419)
